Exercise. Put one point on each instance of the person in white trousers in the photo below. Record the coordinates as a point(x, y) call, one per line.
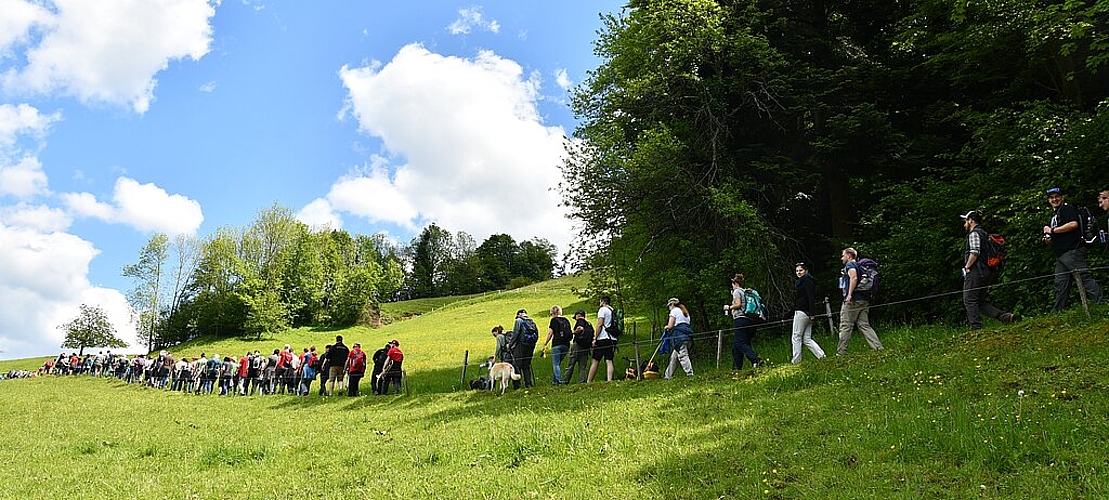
point(804, 305)
point(677, 327)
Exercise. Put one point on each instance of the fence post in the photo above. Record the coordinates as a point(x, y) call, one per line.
point(638, 364)
point(465, 361)
point(719, 346)
point(828, 310)
point(1082, 293)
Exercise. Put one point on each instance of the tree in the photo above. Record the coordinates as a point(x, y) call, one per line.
point(145, 296)
point(91, 328)
point(430, 252)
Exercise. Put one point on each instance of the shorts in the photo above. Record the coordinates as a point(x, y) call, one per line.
point(605, 349)
point(335, 373)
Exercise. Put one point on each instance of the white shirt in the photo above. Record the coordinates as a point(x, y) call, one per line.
point(679, 318)
point(605, 315)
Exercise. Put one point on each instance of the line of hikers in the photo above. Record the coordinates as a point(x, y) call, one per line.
point(283, 372)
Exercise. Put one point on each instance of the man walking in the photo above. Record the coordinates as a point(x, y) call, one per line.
point(521, 342)
point(336, 359)
point(1070, 254)
point(977, 275)
point(580, 349)
point(856, 305)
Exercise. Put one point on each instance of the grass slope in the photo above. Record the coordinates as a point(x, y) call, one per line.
point(1008, 412)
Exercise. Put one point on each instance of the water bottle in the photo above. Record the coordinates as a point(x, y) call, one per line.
point(1101, 234)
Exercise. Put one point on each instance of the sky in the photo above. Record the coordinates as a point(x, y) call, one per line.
point(120, 119)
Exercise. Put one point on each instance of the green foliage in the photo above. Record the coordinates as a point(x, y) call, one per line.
point(742, 137)
point(91, 328)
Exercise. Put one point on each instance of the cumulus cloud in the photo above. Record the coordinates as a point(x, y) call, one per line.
point(471, 18)
point(466, 147)
point(42, 285)
point(24, 179)
point(319, 215)
point(145, 207)
point(108, 50)
point(18, 18)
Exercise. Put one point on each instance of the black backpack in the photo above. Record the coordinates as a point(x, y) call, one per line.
point(615, 327)
point(1087, 226)
point(530, 333)
point(563, 333)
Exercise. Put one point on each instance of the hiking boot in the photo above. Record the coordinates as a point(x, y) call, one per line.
point(1009, 318)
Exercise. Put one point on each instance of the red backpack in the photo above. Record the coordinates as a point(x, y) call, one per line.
point(358, 362)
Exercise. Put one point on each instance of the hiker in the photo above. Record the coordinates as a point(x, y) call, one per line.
point(580, 348)
point(336, 359)
point(243, 374)
point(977, 275)
point(804, 308)
point(680, 334)
point(856, 305)
point(559, 334)
point(355, 368)
point(391, 372)
point(521, 342)
point(1103, 202)
point(500, 346)
point(743, 323)
point(604, 345)
point(271, 371)
point(257, 372)
point(1070, 254)
point(379, 358)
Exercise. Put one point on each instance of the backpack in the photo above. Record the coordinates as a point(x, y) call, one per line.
point(563, 333)
point(1087, 226)
point(358, 362)
point(615, 326)
point(255, 362)
point(213, 367)
point(993, 251)
point(317, 362)
point(868, 276)
point(530, 333)
point(753, 308)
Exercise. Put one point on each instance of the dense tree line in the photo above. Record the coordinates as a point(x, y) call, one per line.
point(722, 136)
point(276, 273)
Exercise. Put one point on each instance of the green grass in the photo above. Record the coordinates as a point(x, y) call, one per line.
point(1005, 412)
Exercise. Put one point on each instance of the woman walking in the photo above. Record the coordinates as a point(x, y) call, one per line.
point(744, 326)
point(677, 327)
point(804, 306)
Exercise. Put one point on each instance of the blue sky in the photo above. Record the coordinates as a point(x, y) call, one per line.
point(121, 118)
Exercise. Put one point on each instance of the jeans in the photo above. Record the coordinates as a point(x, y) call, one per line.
point(802, 335)
point(557, 353)
point(1065, 265)
point(856, 313)
point(741, 343)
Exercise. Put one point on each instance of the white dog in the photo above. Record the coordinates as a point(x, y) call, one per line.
point(502, 372)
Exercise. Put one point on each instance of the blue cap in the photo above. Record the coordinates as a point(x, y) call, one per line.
point(1054, 190)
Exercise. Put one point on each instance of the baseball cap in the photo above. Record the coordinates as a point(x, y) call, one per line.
point(1054, 190)
point(972, 215)
point(673, 301)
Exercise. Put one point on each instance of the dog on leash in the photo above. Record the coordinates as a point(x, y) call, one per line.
point(502, 372)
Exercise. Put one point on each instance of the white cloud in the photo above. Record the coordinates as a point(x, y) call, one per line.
point(24, 179)
point(41, 217)
point(469, 147)
point(17, 20)
point(145, 207)
point(563, 80)
point(110, 50)
point(471, 18)
point(319, 215)
point(208, 88)
point(42, 285)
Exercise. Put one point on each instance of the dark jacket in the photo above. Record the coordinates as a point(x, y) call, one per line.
point(804, 295)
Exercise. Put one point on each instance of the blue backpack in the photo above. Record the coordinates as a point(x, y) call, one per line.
point(753, 307)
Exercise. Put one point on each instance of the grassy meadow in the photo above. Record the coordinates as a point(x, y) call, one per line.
point(1014, 411)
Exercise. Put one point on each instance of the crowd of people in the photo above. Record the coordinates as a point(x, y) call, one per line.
point(580, 345)
point(339, 368)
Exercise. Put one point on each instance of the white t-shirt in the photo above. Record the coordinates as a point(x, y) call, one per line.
point(679, 318)
point(737, 293)
point(605, 315)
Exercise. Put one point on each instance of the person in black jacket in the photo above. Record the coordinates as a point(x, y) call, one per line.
point(804, 308)
point(336, 364)
point(379, 358)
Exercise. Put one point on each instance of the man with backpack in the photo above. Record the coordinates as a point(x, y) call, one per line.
point(580, 348)
point(856, 304)
point(355, 368)
point(978, 275)
point(336, 360)
point(604, 344)
point(521, 342)
point(1064, 235)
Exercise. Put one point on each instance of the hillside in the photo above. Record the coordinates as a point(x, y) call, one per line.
point(1005, 412)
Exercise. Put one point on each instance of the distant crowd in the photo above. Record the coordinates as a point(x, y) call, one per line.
point(339, 368)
